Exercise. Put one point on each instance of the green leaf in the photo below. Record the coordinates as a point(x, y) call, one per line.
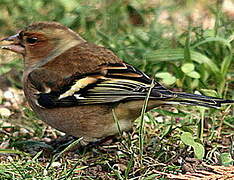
point(166, 77)
point(209, 92)
point(163, 75)
point(214, 39)
point(194, 75)
point(169, 81)
point(226, 159)
point(199, 150)
point(187, 139)
point(162, 55)
point(187, 67)
point(226, 64)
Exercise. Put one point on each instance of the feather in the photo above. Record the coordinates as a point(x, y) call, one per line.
point(115, 83)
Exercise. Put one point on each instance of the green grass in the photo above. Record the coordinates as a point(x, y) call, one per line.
point(191, 59)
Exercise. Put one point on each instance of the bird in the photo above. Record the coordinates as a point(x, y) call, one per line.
point(81, 88)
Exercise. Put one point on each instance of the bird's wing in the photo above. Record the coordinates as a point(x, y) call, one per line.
point(113, 83)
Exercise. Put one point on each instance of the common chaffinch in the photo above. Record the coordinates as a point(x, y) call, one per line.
point(75, 86)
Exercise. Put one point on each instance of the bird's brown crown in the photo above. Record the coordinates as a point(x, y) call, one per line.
point(50, 27)
point(51, 38)
point(42, 41)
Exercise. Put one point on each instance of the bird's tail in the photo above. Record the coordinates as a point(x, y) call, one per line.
point(197, 100)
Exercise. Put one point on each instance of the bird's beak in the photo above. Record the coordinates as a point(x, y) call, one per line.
point(12, 43)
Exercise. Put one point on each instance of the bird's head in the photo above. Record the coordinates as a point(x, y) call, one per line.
point(42, 41)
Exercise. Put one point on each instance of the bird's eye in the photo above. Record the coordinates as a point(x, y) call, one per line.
point(31, 40)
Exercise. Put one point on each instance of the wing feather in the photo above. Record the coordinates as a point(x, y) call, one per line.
point(114, 83)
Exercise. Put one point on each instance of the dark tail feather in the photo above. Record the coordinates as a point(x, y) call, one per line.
point(199, 100)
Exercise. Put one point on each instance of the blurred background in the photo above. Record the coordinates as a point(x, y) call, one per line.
point(186, 45)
